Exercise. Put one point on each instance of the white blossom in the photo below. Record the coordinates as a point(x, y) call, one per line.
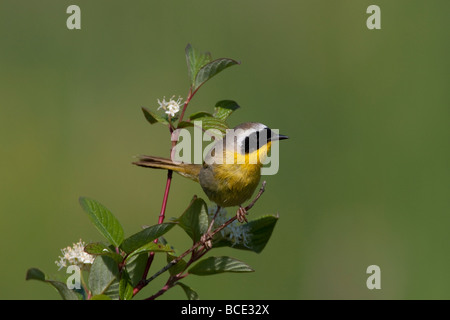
point(171, 107)
point(75, 256)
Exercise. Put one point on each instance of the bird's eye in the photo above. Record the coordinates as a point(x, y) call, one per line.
point(251, 142)
point(269, 134)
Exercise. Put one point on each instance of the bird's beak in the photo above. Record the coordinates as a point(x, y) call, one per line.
point(281, 137)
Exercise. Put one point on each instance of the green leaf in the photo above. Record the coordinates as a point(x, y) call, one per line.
point(179, 267)
point(125, 287)
point(257, 234)
point(205, 123)
point(225, 108)
point(153, 117)
point(63, 290)
point(145, 236)
point(209, 123)
point(103, 220)
point(185, 124)
point(170, 256)
point(113, 290)
point(195, 219)
point(214, 265)
point(35, 274)
point(99, 249)
point(191, 294)
point(200, 114)
point(104, 272)
point(135, 267)
point(151, 247)
point(195, 60)
point(211, 69)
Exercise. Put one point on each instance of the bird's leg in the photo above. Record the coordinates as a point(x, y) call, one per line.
point(242, 212)
point(206, 238)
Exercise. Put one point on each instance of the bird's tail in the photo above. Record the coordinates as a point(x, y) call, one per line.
point(190, 171)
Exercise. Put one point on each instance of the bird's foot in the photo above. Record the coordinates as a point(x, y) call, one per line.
point(206, 240)
point(240, 214)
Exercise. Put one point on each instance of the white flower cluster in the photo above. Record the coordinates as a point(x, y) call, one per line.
point(171, 107)
point(235, 232)
point(75, 256)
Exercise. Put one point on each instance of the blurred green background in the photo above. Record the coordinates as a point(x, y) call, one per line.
point(364, 179)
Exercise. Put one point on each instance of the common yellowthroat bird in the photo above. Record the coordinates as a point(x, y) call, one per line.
point(227, 184)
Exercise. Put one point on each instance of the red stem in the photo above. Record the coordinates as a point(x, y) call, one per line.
point(162, 214)
point(151, 256)
point(188, 99)
point(166, 196)
point(160, 292)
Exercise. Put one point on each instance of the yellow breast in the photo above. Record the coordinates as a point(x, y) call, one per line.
point(235, 183)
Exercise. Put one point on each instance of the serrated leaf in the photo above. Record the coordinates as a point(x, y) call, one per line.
point(145, 236)
point(195, 60)
point(125, 287)
point(257, 233)
point(104, 220)
point(63, 290)
point(99, 249)
point(211, 69)
point(194, 221)
point(153, 117)
point(191, 294)
point(225, 108)
point(215, 265)
point(104, 272)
